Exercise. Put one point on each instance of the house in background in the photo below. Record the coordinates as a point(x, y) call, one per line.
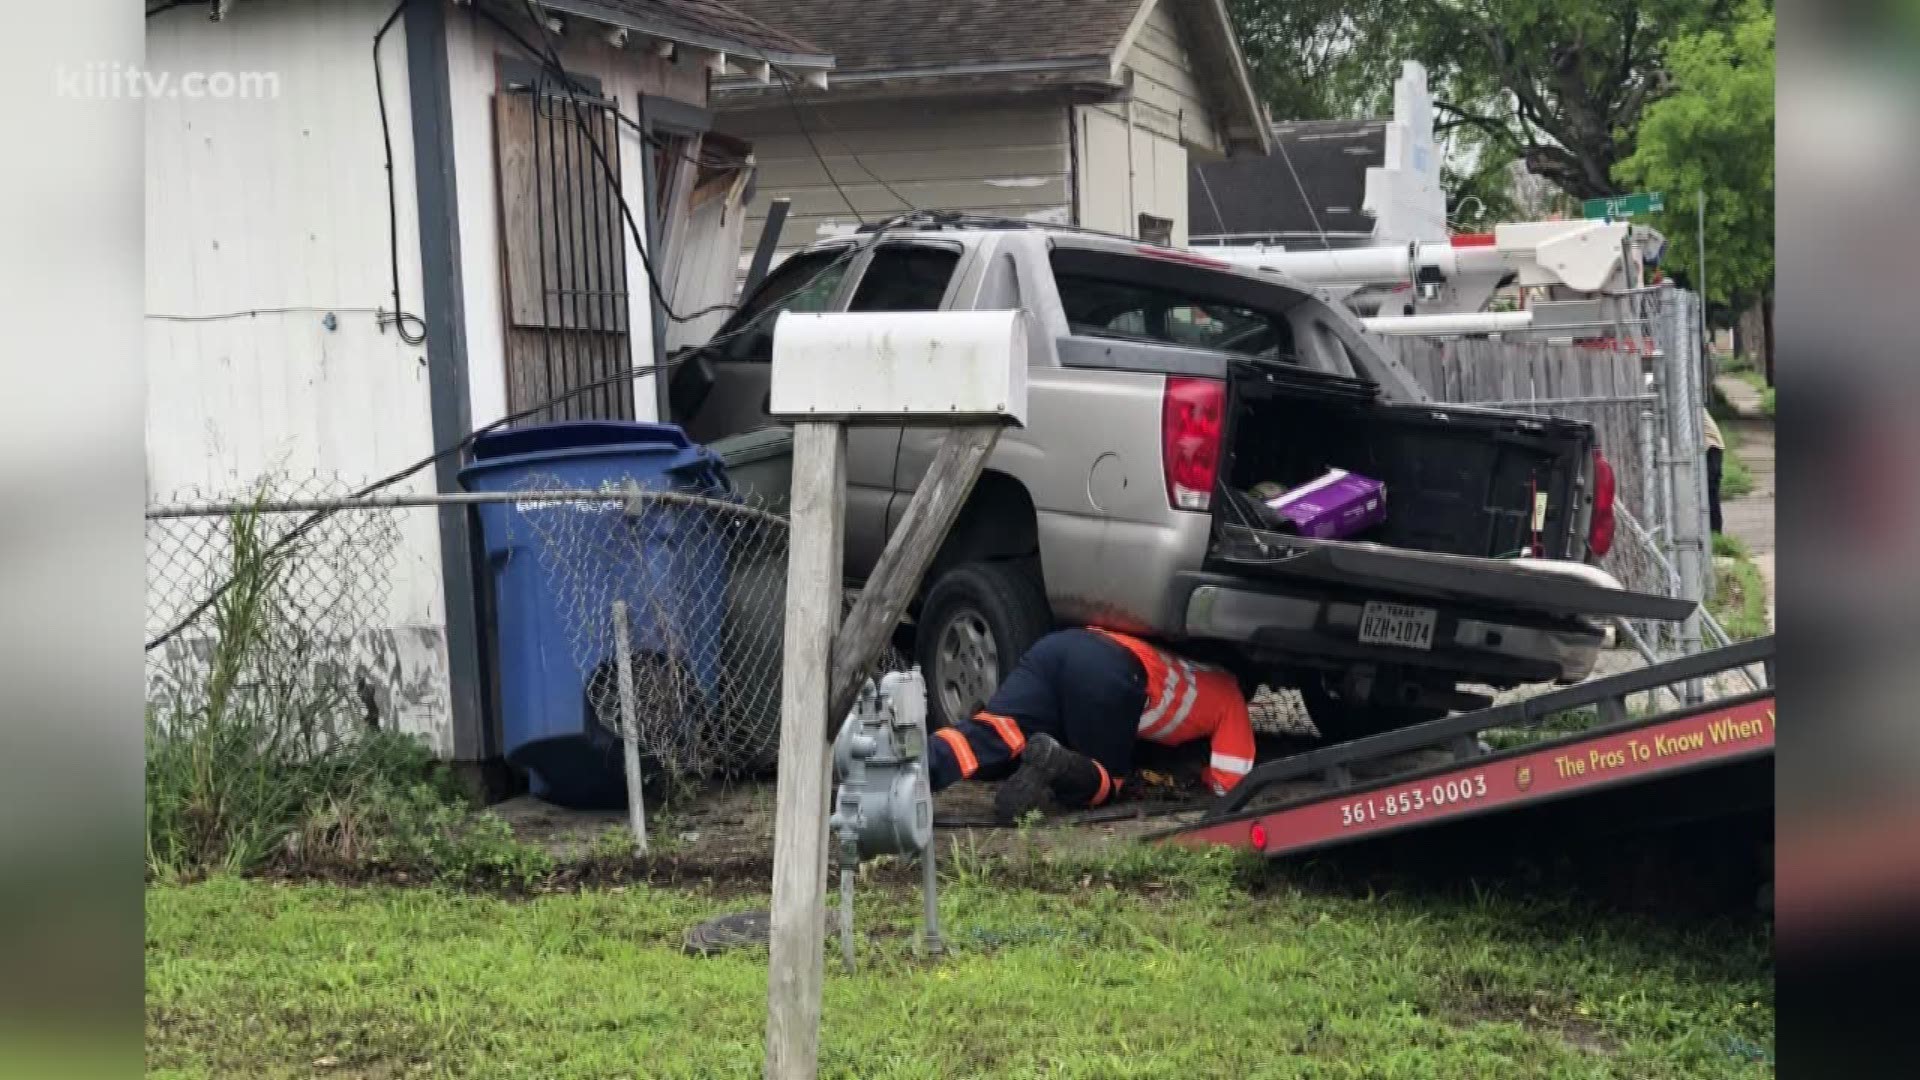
point(1330, 184)
point(408, 229)
point(1083, 112)
point(1311, 188)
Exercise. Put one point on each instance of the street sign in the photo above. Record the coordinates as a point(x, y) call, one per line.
point(1625, 206)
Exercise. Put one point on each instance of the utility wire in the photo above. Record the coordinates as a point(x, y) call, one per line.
point(633, 372)
point(548, 58)
point(245, 313)
point(400, 315)
point(794, 104)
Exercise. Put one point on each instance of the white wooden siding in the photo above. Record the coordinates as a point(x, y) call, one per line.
point(1010, 160)
point(282, 202)
point(1169, 99)
point(1125, 177)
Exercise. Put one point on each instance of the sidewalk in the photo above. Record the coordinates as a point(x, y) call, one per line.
point(1750, 519)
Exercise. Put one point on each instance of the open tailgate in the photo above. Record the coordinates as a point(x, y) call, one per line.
point(1481, 582)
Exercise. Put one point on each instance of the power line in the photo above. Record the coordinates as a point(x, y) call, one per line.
point(632, 372)
point(796, 103)
point(245, 313)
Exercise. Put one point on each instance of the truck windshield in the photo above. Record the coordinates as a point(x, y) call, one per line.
point(806, 281)
point(1138, 299)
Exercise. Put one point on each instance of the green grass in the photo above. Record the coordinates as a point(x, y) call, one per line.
point(1180, 971)
point(1766, 402)
point(1740, 598)
point(1728, 547)
point(1735, 480)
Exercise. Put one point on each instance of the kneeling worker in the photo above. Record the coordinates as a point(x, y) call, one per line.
point(1064, 723)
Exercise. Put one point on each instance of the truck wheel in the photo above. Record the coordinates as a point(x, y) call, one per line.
point(979, 619)
point(1338, 721)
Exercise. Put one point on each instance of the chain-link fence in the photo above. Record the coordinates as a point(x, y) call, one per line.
point(258, 608)
point(1644, 394)
point(704, 585)
point(703, 582)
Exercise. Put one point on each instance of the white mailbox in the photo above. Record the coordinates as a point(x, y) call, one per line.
point(904, 366)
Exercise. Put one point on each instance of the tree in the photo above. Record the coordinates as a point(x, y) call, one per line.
point(1714, 133)
point(1560, 84)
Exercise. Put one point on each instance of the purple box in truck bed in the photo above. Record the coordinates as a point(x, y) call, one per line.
point(1334, 507)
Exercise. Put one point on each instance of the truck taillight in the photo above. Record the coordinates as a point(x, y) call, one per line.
point(1600, 533)
point(1193, 418)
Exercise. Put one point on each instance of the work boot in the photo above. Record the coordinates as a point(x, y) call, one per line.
point(1048, 772)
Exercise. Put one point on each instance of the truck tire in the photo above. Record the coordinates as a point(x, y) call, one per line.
point(978, 620)
point(1338, 721)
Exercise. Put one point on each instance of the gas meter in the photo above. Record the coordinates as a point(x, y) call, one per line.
point(884, 804)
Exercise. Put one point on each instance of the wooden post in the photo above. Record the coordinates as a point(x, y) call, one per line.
point(910, 550)
point(795, 967)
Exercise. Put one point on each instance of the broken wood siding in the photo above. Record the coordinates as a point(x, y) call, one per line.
point(956, 154)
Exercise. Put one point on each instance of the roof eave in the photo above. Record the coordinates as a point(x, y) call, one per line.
point(1247, 127)
point(691, 36)
point(911, 81)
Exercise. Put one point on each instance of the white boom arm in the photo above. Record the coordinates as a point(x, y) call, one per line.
point(1572, 260)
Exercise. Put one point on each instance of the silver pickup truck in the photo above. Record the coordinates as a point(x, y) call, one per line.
point(1162, 385)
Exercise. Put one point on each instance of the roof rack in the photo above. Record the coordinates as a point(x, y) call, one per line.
point(961, 219)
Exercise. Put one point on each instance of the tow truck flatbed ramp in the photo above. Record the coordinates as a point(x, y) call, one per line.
point(1352, 791)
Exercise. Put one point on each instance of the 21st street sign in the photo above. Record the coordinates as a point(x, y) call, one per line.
point(1625, 206)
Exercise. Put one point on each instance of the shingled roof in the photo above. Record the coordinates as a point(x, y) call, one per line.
point(912, 35)
point(1252, 196)
point(903, 47)
point(724, 27)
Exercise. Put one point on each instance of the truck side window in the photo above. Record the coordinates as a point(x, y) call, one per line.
point(1105, 308)
point(805, 282)
point(905, 277)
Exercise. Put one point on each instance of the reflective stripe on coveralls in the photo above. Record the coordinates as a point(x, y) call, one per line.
point(962, 753)
point(1188, 701)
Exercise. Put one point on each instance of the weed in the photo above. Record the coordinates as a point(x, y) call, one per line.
point(1729, 547)
point(1735, 480)
point(614, 845)
point(1740, 600)
point(257, 759)
point(1766, 402)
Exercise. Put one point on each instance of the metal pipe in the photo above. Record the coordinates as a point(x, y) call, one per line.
point(1510, 402)
point(1464, 322)
point(629, 728)
point(457, 498)
point(930, 897)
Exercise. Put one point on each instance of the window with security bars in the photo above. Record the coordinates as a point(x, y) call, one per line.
point(563, 253)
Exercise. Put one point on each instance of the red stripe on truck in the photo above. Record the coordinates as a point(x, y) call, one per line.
point(1689, 741)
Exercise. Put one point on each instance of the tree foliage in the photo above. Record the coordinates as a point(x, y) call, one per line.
point(1714, 133)
point(1560, 84)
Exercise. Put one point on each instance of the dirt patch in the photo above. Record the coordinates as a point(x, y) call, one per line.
point(1534, 1015)
point(730, 826)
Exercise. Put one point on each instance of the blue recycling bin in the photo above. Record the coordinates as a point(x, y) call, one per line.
point(669, 571)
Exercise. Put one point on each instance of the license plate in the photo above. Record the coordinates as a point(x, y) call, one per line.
point(1404, 625)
